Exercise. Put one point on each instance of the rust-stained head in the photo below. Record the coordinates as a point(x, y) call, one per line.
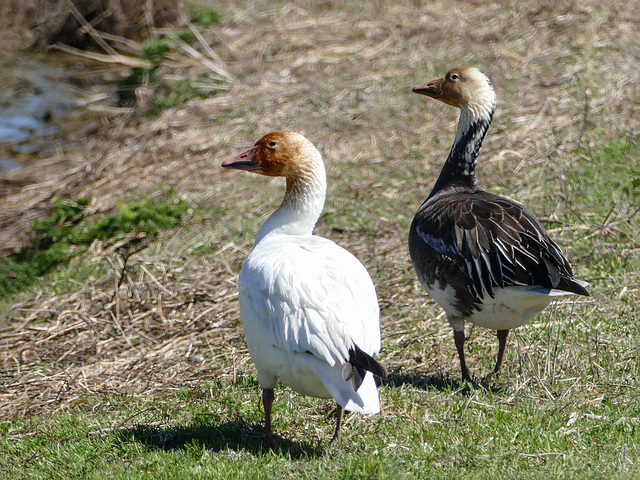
point(277, 154)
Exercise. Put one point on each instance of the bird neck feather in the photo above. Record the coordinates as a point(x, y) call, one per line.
point(460, 167)
point(302, 204)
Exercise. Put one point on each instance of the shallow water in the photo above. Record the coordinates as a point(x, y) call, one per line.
point(32, 104)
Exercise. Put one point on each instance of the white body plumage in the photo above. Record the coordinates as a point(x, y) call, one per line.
point(509, 308)
point(304, 302)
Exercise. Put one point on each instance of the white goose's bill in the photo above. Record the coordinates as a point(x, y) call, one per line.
point(244, 161)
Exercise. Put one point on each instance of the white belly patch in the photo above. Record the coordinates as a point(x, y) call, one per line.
point(509, 308)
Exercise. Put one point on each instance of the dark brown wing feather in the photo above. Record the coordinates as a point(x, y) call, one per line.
point(494, 241)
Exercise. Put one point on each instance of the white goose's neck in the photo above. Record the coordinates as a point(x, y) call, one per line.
point(303, 200)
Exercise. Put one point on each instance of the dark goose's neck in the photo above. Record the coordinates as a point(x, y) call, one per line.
point(460, 167)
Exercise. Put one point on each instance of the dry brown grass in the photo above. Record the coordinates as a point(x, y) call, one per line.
point(74, 22)
point(566, 76)
point(154, 330)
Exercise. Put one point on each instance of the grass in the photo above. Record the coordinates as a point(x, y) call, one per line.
point(565, 406)
point(205, 14)
point(167, 94)
point(214, 430)
point(602, 194)
point(69, 231)
point(178, 92)
point(136, 367)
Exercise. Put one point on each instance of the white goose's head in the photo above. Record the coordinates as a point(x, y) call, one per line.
point(289, 155)
point(464, 87)
point(279, 154)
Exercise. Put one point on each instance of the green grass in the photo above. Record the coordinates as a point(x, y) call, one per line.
point(205, 14)
point(214, 431)
point(177, 92)
point(69, 230)
point(607, 177)
point(602, 191)
point(566, 406)
point(169, 94)
point(126, 88)
point(155, 50)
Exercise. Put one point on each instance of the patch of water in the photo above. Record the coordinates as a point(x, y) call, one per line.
point(30, 108)
point(7, 165)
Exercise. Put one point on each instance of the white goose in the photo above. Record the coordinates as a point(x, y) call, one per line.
point(309, 308)
point(483, 258)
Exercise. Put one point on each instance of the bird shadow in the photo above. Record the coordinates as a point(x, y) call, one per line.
point(215, 433)
point(441, 382)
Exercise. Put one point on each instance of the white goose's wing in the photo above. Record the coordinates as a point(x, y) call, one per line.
point(308, 295)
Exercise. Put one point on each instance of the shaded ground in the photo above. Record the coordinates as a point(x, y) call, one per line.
point(67, 21)
point(566, 78)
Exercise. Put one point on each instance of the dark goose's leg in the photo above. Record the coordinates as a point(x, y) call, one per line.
point(502, 343)
point(458, 336)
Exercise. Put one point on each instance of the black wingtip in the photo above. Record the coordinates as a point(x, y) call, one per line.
point(353, 374)
point(573, 285)
point(357, 366)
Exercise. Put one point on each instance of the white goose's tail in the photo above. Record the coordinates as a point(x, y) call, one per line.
point(365, 400)
point(352, 384)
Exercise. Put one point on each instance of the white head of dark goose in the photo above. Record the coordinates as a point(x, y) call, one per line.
point(483, 258)
point(309, 308)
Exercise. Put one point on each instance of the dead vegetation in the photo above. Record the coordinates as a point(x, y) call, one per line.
point(72, 22)
point(154, 327)
point(566, 77)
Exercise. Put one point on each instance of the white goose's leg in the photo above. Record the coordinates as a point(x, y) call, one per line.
point(267, 401)
point(337, 434)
